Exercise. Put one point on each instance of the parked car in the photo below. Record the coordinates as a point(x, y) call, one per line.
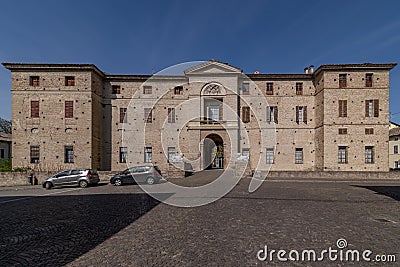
point(81, 177)
point(139, 174)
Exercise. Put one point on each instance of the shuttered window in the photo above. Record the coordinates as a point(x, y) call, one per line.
point(147, 89)
point(369, 154)
point(342, 154)
point(270, 89)
point(148, 115)
point(342, 130)
point(369, 130)
point(372, 108)
point(171, 115)
point(123, 118)
point(35, 154)
point(68, 154)
point(69, 81)
point(272, 114)
point(69, 109)
point(301, 114)
point(116, 89)
point(246, 114)
point(368, 80)
point(342, 108)
point(246, 88)
point(34, 81)
point(34, 109)
point(342, 80)
point(299, 88)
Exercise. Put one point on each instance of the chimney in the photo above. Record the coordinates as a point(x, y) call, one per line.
point(311, 69)
point(256, 72)
point(305, 70)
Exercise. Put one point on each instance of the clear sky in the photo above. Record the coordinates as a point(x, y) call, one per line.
point(137, 37)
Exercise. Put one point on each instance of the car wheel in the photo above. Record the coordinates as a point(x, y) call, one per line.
point(48, 185)
point(150, 180)
point(83, 184)
point(118, 182)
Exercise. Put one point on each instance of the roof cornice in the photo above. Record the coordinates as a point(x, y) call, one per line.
point(52, 67)
point(363, 66)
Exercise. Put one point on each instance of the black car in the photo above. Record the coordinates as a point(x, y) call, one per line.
point(139, 174)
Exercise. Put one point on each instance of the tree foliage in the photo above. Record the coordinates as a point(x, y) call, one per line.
point(5, 126)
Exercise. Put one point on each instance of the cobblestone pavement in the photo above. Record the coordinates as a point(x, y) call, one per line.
point(111, 226)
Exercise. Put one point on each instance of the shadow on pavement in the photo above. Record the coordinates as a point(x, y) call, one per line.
point(390, 191)
point(55, 230)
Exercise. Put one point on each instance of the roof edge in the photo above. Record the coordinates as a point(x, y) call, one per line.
point(43, 66)
point(384, 66)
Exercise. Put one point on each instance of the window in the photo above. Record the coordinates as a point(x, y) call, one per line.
point(148, 154)
point(396, 149)
point(69, 109)
point(147, 89)
point(369, 130)
point(246, 152)
point(272, 114)
point(301, 114)
point(299, 88)
point(62, 174)
point(69, 81)
point(270, 155)
point(148, 115)
point(2, 153)
point(342, 80)
point(270, 89)
point(35, 154)
point(342, 108)
point(342, 154)
point(299, 156)
point(171, 115)
point(245, 89)
point(342, 130)
point(369, 154)
point(396, 164)
point(171, 153)
point(178, 90)
point(246, 114)
point(34, 81)
point(372, 108)
point(68, 154)
point(34, 109)
point(368, 80)
point(123, 118)
point(116, 89)
point(123, 154)
point(214, 113)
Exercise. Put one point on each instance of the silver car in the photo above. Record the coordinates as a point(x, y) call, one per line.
point(139, 174)
point(81, 177)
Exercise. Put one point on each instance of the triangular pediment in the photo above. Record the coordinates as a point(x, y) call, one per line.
point(213, 67)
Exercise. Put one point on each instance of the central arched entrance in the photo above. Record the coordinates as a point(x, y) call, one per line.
point(213, 151)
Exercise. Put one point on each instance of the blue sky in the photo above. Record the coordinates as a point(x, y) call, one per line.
point(136, 37)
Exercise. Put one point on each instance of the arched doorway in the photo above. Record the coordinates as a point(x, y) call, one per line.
point(213, 151)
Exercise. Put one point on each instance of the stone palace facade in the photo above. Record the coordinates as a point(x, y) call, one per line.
point(333, 118)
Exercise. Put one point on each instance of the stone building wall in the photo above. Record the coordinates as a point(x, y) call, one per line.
point(97, 132)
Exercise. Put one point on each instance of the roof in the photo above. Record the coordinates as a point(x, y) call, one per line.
point(5, 137)
point(363, 66)
point(394, 132)
point(279, 76)
point(52, 66)
point(92, 67)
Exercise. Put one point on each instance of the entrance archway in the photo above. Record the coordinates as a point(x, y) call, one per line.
point(213, 151)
